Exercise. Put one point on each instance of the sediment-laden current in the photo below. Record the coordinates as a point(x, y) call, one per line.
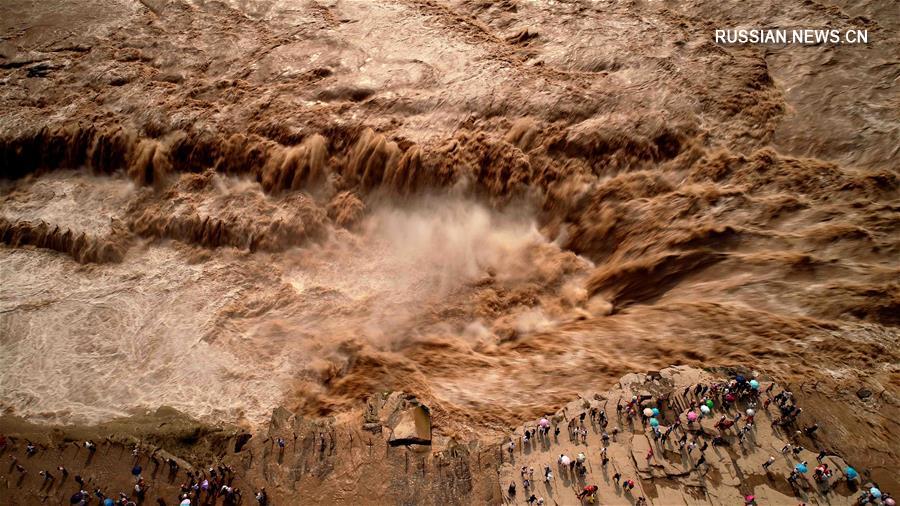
point(229, 206)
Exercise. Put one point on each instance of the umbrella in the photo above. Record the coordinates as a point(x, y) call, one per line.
point(704, 409)
point(890, 502)
point(581, 457)
point(801, 468)
point(710, 403)
point(754, 384)
point(750, 412)
point(654, 422)
point(108, 502)
point(648, 412)
point(655, 412)
point(565, 460)
point(851, 473)
point(544, 423)
point(691, 415)
point(76, 498)
point(740, 378)
point(136, 470)
point(186, 502)
point(875, 492)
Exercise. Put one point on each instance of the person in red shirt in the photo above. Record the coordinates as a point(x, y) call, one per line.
point(588, 490)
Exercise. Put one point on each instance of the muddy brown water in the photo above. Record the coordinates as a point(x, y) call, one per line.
point(229, 206)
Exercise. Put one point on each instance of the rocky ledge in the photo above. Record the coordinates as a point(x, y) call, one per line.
point(646, 441)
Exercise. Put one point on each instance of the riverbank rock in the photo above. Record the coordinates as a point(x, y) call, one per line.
point(413, 427)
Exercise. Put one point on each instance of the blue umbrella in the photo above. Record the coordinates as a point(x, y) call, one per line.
point(740, 379)
point(875, 492)
point(136, 470)
point(654, 422)
point(800, 468)
point(851, 473)
point(754, 384)
point(655, 412)
point(108, 502)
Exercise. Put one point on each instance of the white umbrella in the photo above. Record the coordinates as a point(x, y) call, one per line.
point(565, 460)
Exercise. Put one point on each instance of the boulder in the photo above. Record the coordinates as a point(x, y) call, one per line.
point(413, 427)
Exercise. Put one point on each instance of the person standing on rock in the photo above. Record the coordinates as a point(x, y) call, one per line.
point(792, 479)
point(587, 491)
point(700, 461)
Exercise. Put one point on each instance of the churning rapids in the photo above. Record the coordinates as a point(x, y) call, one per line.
point(229, 206)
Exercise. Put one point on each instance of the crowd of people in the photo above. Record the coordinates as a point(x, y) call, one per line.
point(213, 485)
point(676, 421)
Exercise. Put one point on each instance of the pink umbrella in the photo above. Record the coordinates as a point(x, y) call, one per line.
point(691, 416)
point(564, 460)
point(544, 423)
